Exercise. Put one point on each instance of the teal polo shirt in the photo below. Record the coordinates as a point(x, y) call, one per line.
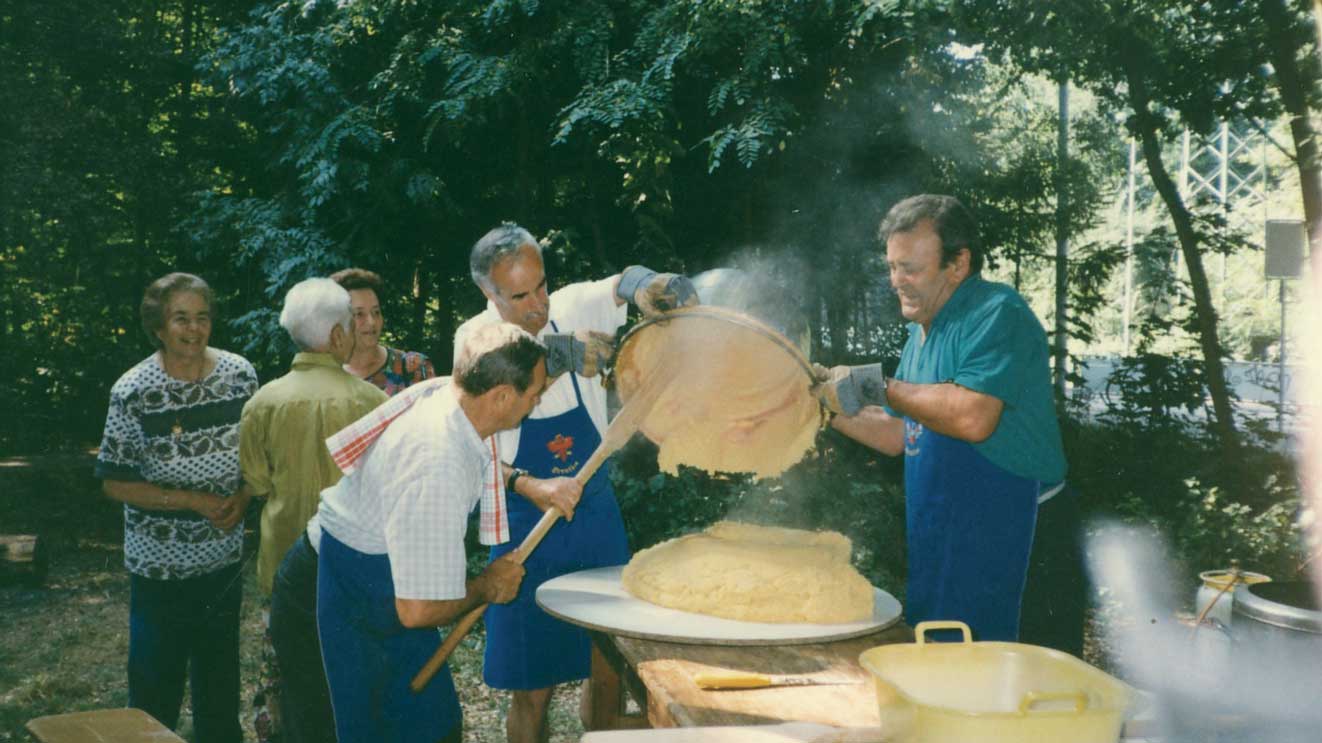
point(986, 338)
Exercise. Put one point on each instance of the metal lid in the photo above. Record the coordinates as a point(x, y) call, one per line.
point(1288, 604)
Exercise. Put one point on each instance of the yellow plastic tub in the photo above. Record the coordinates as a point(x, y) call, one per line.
point(992, 692)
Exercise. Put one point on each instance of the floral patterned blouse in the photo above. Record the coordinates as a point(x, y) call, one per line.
point(402, 369)
point(180, 435)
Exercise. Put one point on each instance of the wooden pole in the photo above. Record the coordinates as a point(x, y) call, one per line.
point(617, 435)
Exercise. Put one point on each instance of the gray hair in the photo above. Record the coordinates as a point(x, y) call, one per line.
point(498, 354)
point(157, 297)
point(953, 222)
point(498, 244)
point(313, 307)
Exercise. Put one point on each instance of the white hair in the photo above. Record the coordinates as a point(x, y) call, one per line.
point(312, 309)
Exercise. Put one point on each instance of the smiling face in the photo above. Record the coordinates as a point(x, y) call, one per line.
point(187, 328)
point(916, 273)
point(367, 320)
point(520, 290)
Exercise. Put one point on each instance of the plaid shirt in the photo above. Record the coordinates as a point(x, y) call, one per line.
point(349, 445)
point(411, 494)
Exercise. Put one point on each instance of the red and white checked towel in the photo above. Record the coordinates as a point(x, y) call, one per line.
point(349, 445)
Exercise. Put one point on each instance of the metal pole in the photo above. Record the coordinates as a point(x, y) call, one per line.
point(1129, 249)
point(1280, 375)
point(1062, 239)
point(1223, 185)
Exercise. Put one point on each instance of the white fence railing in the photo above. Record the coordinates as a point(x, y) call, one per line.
point(1252, 381)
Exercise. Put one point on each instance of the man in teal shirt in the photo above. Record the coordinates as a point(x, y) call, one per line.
point(971, 409)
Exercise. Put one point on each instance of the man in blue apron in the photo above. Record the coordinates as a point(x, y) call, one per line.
point(529, 652)
point(971, 409)
point(391, 565)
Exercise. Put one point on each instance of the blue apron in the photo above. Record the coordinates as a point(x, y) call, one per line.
point(370, 657)
point(526, 647)
point(970, 529)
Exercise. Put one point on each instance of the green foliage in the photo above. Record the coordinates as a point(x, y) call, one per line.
point(1212, 527)
point(1147, 465)
point(1147, 391)
point(259, 146)
point(104, 134)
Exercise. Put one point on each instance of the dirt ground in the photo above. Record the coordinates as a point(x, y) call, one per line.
point(63, 646)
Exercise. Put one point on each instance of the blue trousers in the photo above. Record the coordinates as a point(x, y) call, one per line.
point(1056, 595)
point(370, 657)
point(187, 627)
point(305, 705)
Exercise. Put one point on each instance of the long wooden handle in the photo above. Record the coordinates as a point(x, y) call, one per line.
point(617, 435)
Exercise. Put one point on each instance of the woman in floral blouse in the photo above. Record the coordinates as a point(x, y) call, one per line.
point(388, 368)
point(170, 454)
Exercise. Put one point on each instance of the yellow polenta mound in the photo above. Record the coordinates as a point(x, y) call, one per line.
point(754, 574)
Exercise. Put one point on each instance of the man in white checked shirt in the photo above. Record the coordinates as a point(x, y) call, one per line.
point(391, 555)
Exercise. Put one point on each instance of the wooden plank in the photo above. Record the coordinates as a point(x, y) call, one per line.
point(124, 725)
point(23, 559)
point(674, 700)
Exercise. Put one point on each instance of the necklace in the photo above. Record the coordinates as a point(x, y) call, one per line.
point(177, 429)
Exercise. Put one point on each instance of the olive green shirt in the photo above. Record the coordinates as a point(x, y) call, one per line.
point(282, 447)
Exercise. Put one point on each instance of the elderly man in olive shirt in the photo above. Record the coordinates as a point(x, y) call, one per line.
point(285, 461)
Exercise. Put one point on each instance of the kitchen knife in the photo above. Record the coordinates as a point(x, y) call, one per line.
point(726, 680)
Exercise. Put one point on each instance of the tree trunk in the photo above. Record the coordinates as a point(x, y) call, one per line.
point(1224, 423)
point(1061, 350)
point(1291, 81)
point(421, 296)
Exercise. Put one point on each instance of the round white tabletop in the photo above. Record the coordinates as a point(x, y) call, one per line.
point(596, 599)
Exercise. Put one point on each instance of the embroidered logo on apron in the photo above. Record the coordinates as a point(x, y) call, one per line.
point(561, 446)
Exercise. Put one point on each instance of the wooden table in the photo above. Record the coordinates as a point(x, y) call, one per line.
point(659, 675)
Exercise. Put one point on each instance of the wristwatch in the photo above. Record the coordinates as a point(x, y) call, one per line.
point(515, 474)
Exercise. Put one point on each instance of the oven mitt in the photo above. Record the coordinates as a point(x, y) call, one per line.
point(584, 352)
point(846, 389)
point(653, 292)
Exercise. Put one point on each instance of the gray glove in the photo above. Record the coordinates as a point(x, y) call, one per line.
point(584, 352)
point(653, 292)
point(846, 389)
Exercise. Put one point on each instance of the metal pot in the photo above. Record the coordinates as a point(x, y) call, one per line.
point(1278, 614)
point(1276, 654)
point(1288, 606)
point(1216, 592)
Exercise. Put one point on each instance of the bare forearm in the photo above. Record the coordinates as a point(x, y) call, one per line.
point(947, 408)
point(415, 613)
point(150, 497)
point(874, 428)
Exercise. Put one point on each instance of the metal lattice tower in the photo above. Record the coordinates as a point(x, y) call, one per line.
point(1228, 167)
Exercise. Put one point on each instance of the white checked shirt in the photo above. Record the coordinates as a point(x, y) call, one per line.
point(411, 495)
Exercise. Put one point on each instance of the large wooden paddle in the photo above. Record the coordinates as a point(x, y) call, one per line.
point(617, 435)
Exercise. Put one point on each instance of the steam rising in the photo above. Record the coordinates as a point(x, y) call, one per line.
point(1210, 684)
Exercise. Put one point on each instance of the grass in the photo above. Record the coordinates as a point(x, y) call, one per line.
point(63, 646)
